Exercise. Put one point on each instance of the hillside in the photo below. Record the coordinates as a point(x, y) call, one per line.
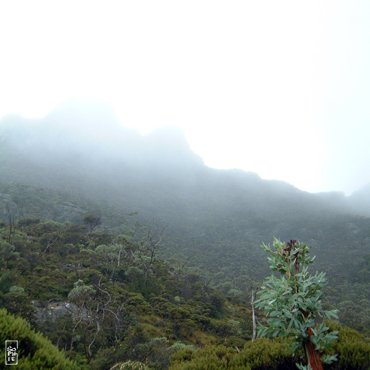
point(103, 299)
point(79, 159)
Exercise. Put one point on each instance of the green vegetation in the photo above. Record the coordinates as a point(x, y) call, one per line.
point(292, 302)
point(136, 254)
point(106, 299)
point(35, 351)
point(224, 250)
point(276, 354)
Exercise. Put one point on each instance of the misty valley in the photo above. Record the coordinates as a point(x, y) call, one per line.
point(125, 251)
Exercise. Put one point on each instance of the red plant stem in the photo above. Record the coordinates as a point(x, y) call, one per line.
point(313, 357)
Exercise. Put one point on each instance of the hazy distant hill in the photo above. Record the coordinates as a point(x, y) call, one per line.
point(360, 201)
point(212, 216)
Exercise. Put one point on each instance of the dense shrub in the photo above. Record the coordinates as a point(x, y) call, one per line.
point(261, 354)
point(352, 348)
point(35, 351)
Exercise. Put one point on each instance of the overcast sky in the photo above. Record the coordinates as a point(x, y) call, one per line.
point(281, 88)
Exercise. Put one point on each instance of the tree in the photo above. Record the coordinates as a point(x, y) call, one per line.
point(292, 302)
point(11, 222)
point(151, 246)
point(92, 221)
point(94, 315)
point(8, 253)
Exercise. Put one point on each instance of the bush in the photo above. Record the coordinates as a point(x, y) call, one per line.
point(35, 351)
point(261, 354)
point(352, 348)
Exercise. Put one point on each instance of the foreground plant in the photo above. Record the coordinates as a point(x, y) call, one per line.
point(292, 304)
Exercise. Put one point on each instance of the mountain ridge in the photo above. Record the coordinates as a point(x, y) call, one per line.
point(215, 220)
